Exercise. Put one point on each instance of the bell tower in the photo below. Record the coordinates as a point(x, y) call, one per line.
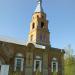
point(39, 33)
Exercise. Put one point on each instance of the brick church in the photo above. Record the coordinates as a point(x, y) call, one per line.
point(37, 57)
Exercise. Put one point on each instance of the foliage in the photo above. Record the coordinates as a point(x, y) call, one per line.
point(69, 63)
point(69, 66)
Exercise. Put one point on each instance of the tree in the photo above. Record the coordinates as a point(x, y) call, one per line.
point(69, 63)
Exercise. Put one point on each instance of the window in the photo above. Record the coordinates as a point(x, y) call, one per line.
point(42, 25)
point(18, 64)
point(37, 65)
point(54, 65)
point(19, 60)
point(33, 25)
point(37, 16)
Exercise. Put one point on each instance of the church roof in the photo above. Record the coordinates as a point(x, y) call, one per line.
point(11, 40)
point(39, 6)
point(19, 42)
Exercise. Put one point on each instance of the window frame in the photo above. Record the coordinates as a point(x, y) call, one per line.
point(40, 65)
point(56, 63)
point(37, 58)
point(19, 56)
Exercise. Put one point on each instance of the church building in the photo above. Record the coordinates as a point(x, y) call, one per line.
point(37, 56)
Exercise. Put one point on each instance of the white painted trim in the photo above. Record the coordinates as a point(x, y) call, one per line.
point(34, 65)
point(54, 59)
point(40, 46)
point(51, 66)
point(19, 55)
point(22, 62)
point(38, 57)
point(56, 66)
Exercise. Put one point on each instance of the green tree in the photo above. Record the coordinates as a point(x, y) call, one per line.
point(69, 63)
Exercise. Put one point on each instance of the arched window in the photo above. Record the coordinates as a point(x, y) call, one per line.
point(42, 24)
point(19, 61)
point(37, 16)
point(37, 64)
point(33, 25)
point(54, 65)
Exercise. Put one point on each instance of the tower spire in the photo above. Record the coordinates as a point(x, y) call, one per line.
point(39, 6)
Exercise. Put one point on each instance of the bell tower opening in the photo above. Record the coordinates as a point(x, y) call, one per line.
point(33, 25)
point(42, 25)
